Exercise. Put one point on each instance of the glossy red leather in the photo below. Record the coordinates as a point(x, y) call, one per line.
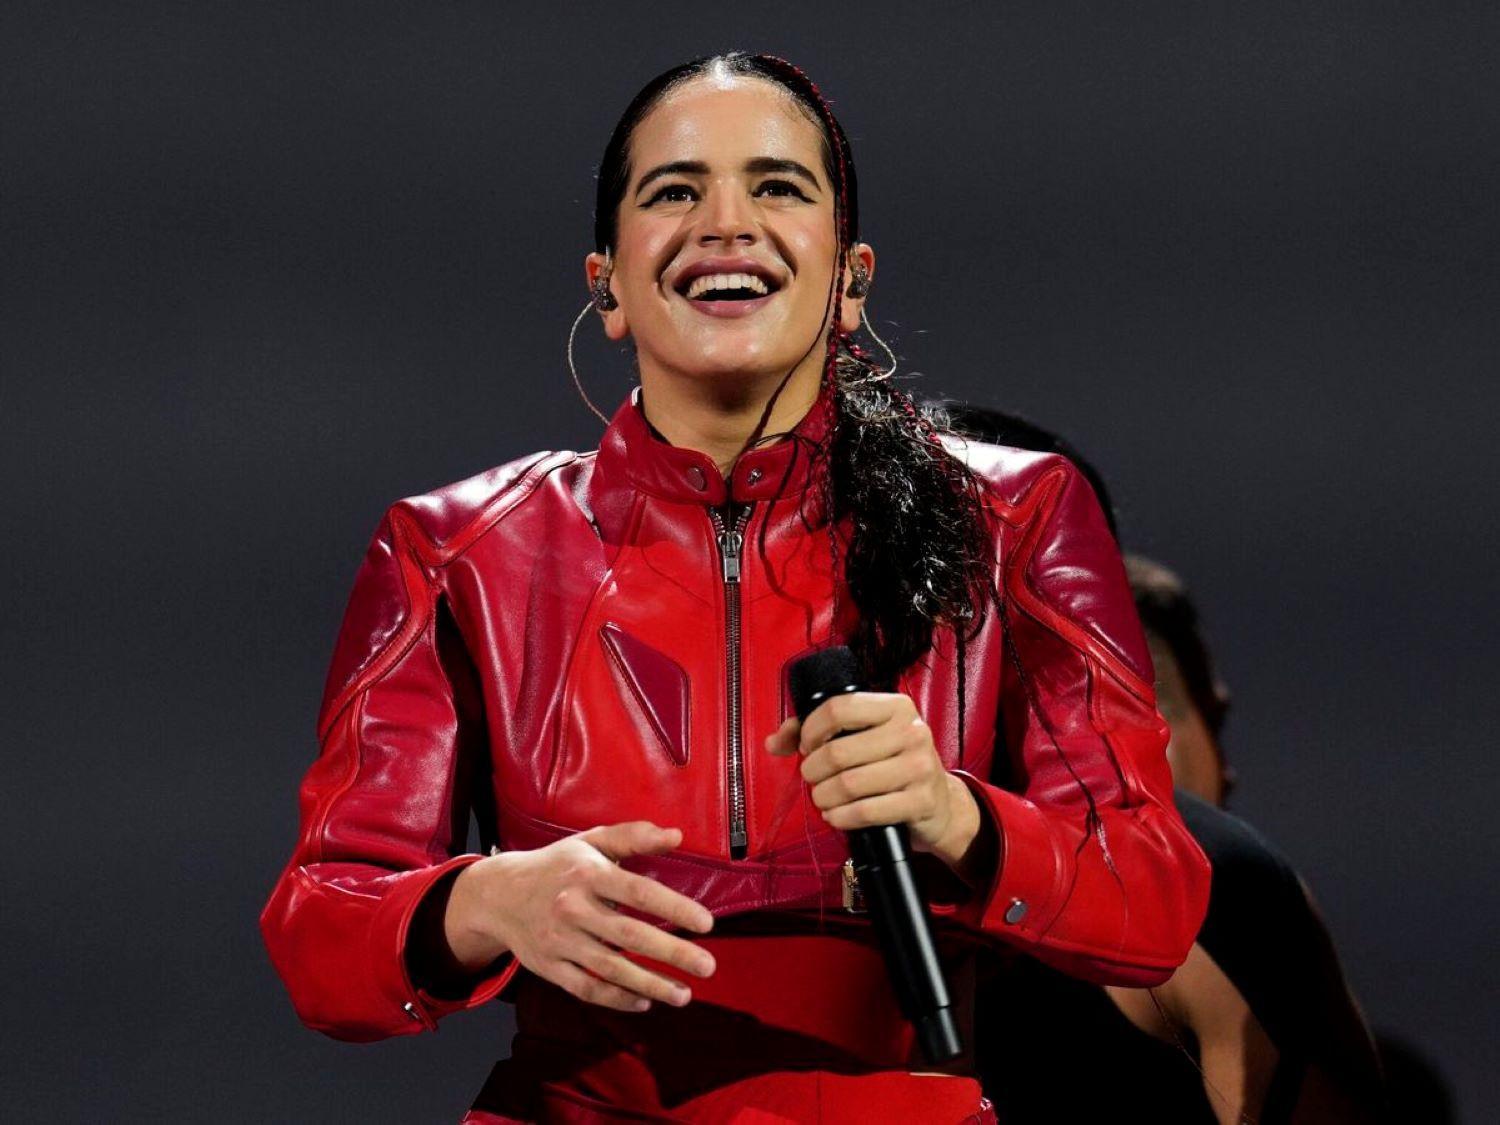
point(550, 636)
point(724, 1057)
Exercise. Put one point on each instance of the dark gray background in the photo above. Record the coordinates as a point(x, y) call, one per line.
point(269, 267)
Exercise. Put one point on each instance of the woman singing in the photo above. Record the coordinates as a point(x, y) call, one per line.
point(591, 652)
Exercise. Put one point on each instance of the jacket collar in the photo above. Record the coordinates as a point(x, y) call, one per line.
point(632, 459)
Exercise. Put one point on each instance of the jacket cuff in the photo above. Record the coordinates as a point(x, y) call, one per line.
point(1026, 891)
point(389, 928)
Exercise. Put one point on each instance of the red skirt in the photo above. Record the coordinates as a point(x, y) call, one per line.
point(797, 1028)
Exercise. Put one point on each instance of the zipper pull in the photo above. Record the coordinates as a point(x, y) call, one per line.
point(730, 542)
point(854, 894)
point(739, 843)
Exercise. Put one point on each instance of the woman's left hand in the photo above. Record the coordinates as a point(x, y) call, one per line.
point(870, 760)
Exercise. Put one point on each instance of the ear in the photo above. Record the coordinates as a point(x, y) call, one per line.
point(860, 255)
point(616, 326)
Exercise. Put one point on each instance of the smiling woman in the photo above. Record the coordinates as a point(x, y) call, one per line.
point(591, 653)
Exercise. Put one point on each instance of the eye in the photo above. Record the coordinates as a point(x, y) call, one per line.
point(783, 189)
point(672, 193)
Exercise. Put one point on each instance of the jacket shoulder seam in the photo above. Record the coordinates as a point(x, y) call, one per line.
point(436, 554)
point(1031, 513)
point(410, 541)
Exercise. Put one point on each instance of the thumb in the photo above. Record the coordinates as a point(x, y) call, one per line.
point(635, 837)
point(784, 739)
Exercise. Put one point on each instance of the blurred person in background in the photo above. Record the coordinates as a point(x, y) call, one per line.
point(1259, 1024)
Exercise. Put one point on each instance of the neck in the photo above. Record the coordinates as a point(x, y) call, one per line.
point(717, 418)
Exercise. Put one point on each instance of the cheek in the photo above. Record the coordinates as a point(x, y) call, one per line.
point(641, 250)
point(815, 244)
point(815, 252)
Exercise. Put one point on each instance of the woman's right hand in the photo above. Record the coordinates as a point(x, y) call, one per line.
point(554, 909)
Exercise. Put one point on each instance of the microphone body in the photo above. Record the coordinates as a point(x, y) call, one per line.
point(882, 861)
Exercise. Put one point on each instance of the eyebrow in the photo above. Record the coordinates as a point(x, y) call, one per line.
point(759, 165)
point(762, 164)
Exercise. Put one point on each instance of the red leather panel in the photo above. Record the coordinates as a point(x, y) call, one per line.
point(656, 684)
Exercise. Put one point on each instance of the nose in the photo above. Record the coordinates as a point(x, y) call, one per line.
point(728, 217)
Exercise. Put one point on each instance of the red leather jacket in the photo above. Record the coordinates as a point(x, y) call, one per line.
point(572, 640)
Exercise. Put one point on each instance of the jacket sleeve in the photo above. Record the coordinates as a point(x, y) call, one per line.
point(1097, 875)
point(383, 806)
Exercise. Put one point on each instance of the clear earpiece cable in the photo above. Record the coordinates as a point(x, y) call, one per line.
point(577, 382)
point(870, 328)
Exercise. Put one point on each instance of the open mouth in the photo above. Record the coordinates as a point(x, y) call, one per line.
point(711, 287)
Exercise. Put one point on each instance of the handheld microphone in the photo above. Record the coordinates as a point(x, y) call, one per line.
point(882, 861)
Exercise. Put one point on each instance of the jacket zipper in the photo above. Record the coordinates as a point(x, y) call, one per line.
point(729, 528)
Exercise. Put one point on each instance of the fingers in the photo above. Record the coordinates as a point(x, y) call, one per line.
point(635, 936)
point(870, 760)
point(905, 807)
point(647, 896)
point(841, 715)
point(559, 918)
point(900, 735)
point(586, 934)
point(889, 775)
point(570, 977)
point(614, 968)
point(784, 740)
point(853, 712)
point(634, 837)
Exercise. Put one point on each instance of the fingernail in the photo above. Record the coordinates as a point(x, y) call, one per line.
point(681, 996)
point(704, 966)
point(641, 1005)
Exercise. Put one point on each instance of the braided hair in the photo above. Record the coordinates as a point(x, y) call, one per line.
point(918, 555)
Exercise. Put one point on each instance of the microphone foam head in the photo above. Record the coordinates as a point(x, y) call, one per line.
point(830, 671)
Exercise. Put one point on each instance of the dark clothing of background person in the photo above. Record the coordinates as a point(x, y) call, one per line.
point(1265, 934)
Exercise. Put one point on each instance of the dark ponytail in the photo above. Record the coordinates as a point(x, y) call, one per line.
point(919, 554)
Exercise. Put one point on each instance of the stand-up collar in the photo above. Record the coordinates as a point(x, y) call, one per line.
point(632, 457)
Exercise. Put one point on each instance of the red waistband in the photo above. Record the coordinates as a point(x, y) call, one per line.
point(794, 1025)
point(784, 1099)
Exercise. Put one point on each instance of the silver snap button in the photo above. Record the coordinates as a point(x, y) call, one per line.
point(696, 478)
point(1015, 911)
point(753, 475)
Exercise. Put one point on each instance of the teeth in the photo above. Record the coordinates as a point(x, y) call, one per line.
point(704, 282)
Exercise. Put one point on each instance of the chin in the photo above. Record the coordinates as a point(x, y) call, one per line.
point(750, 359)
point(741, 363)
point(740, 375)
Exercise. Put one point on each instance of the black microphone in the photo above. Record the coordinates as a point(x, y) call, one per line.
point(882, 860)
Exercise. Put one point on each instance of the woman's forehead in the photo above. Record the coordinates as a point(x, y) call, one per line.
point(732, 116)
